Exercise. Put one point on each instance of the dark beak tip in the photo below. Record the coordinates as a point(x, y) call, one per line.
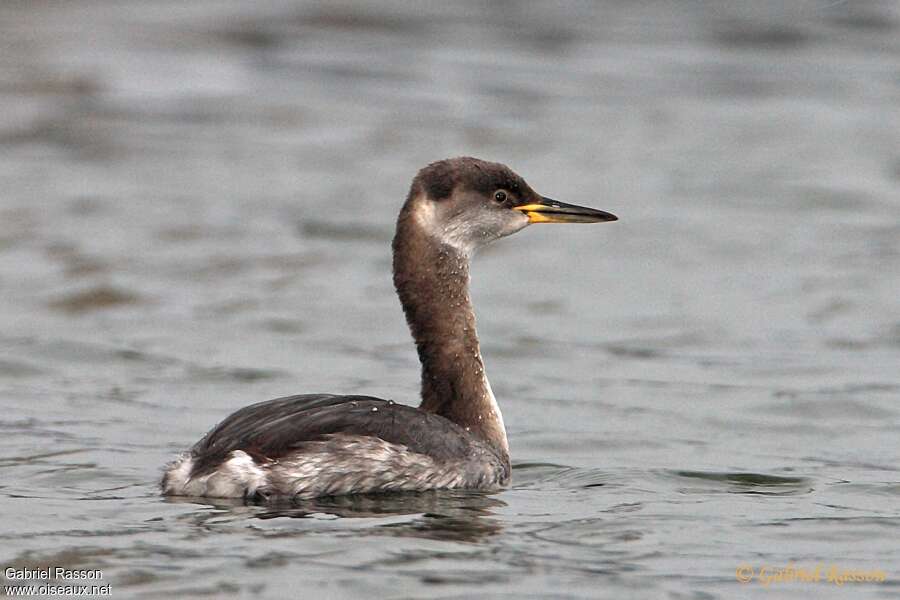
point(602, 216)
point(572, 213)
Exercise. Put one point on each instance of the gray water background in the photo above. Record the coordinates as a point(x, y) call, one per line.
point(196, 208)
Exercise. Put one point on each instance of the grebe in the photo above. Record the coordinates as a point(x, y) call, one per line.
point(322, 444)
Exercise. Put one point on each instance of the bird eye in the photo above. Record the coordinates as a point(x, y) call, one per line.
point(500, 196)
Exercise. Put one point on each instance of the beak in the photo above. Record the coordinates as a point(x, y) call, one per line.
point(551, 211)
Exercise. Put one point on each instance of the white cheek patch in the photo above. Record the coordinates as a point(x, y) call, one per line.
point(453, 234)
point(462, 234)
point(517, 222)
point(468, 232)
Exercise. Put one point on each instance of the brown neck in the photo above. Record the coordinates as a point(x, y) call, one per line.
point(432, 280)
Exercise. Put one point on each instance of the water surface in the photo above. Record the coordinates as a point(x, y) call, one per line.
point(198, 200)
